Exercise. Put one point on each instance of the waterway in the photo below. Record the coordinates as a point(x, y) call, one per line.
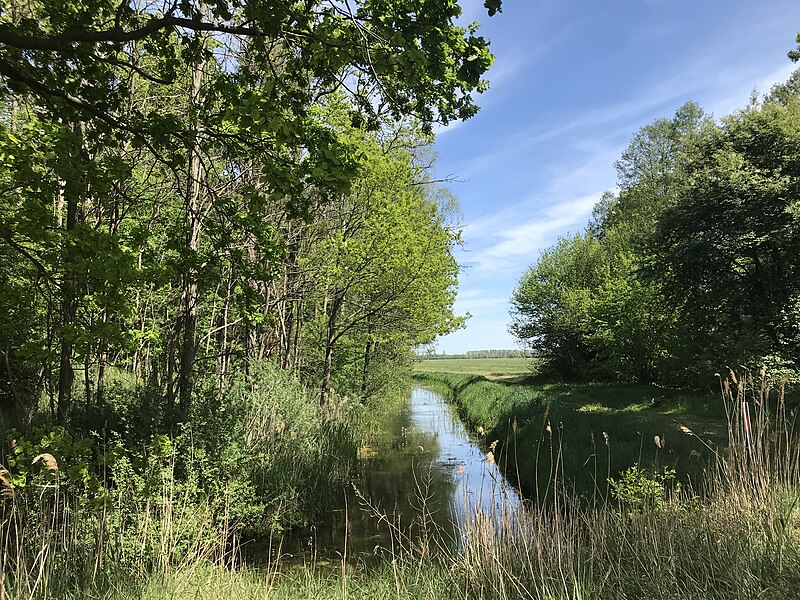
point(417, 484)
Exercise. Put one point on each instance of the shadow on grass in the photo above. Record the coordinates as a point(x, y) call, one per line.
point(584, 434)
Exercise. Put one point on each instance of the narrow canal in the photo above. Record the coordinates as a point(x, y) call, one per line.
point(417, 484)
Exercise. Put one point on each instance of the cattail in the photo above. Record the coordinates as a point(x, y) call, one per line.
point(548, 429)
point(657, 441)
point(490, 457)
point(48, 460)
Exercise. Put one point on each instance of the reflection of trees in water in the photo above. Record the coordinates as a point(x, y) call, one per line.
point(401, 482)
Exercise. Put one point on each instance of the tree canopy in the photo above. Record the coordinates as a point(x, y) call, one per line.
point(690, 266)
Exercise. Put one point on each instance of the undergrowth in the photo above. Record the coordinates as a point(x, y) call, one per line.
point(68, 533)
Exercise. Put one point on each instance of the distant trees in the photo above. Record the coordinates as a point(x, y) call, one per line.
point(477, 354)
point(691, 266)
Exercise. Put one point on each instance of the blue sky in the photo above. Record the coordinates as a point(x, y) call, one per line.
point(572, 81)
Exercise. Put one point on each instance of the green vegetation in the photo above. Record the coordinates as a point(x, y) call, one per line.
point(589, 432)
point(221, 241)
point(690, 267)
point(220, 238)
point(738, 540)
point(491, 368)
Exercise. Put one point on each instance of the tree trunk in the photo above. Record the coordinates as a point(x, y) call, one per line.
point(194, 193)
point(330, 341)
point(66, 375)
point(365, 370)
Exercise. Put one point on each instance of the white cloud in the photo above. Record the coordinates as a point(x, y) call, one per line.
point(525, 241)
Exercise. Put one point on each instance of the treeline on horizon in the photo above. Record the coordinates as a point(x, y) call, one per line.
point(691, 266)
point(479, 354)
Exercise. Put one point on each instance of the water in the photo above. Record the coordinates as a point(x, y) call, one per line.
point(419, 481)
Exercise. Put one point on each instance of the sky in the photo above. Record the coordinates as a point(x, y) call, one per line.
point(572, 81)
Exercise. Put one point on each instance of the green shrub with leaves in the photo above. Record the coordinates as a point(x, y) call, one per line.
point(639, 490)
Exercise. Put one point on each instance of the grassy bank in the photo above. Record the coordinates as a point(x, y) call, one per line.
point(740, 539)
point(588, 432)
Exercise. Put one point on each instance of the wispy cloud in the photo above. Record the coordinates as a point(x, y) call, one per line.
point(526, 240)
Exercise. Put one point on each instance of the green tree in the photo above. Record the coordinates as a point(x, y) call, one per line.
point(384, 259)
point(551, 307)
point(727, 250)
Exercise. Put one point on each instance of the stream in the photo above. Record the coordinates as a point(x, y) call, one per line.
point(424, 475)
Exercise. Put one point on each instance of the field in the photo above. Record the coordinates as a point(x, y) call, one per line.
point(495, 369)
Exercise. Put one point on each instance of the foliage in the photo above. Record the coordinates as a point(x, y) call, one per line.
point(727, 250)
point(689, 267)
point(638, 491)
point(586, 434)
point(165, 176)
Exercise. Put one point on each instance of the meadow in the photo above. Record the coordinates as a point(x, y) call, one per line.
point(494, 369)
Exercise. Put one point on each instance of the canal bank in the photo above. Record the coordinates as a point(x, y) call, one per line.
point(418, 480)
point(581, 435)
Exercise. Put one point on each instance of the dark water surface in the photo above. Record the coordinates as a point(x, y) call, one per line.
point(418, 481)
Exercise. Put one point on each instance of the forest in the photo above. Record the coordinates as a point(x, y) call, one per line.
point(221, 235)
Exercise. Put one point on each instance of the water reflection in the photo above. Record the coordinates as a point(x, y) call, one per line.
point(417, 483)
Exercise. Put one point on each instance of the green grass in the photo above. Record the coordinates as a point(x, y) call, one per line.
point(587, 432)
point(740, 540)
point(491, 368)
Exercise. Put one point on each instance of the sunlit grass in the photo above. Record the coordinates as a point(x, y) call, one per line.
point(491, 368)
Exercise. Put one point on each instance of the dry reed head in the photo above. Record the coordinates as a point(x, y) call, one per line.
point(657, 441)
point(490, 457)
point(6, 489)
point(48, 461)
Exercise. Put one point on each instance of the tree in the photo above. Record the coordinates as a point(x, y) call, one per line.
point(727, 250)
point(384, 259)
point(551, 306)
point(133, 168)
